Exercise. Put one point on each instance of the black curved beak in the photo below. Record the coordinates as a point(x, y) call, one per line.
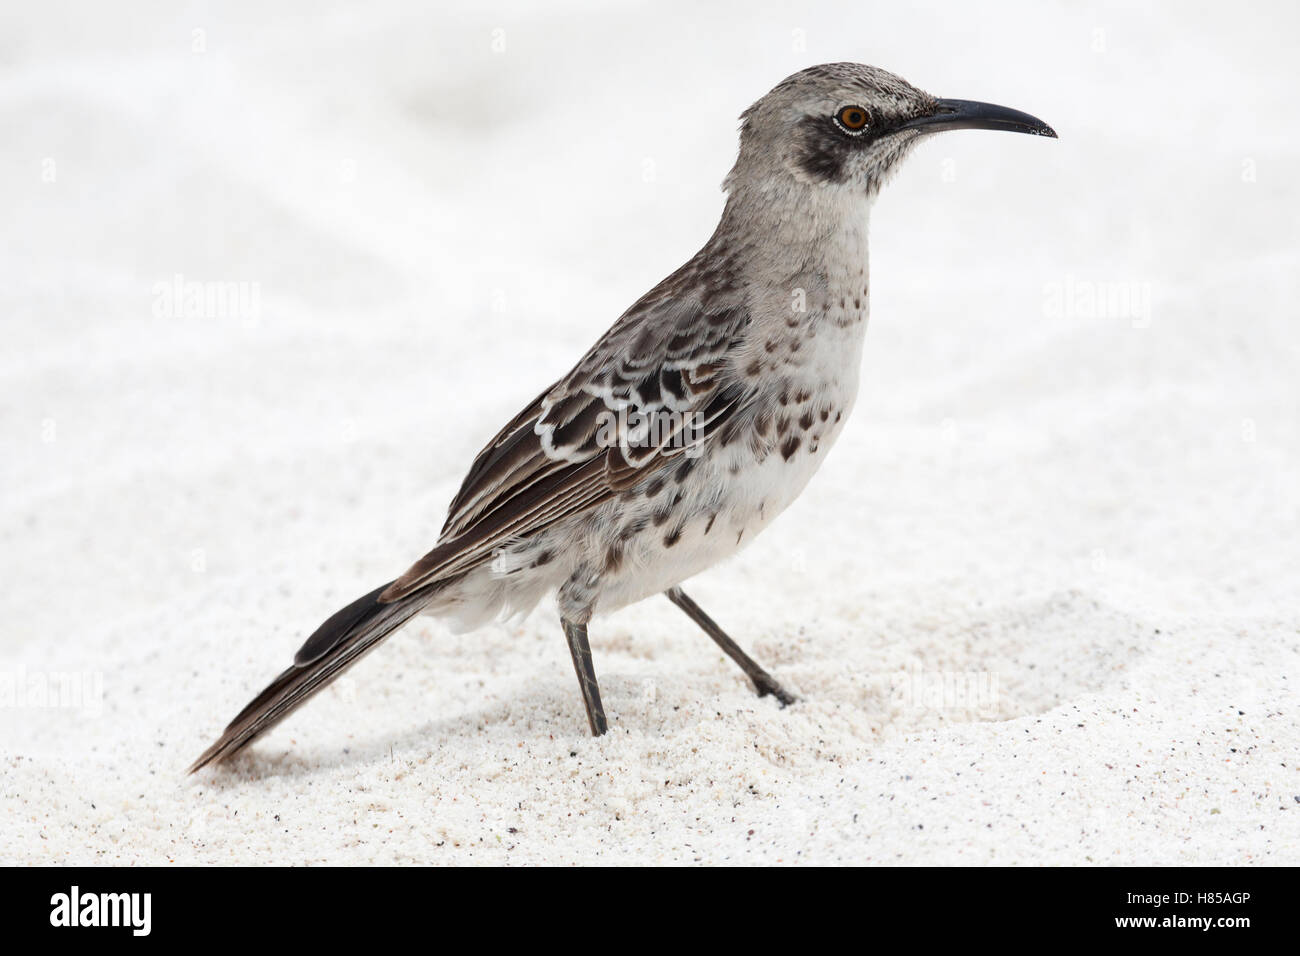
point(969, 114)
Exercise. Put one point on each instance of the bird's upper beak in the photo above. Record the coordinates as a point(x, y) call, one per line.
point(969, 114)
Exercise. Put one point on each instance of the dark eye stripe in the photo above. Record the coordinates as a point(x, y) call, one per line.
point(825, 146)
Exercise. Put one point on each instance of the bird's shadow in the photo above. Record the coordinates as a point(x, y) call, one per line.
point(551, 716)
point(1032, 648)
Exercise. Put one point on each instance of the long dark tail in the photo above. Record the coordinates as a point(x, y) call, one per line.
point(335, 646)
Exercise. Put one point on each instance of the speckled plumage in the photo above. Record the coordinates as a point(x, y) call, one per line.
point(760, 333)
point(749, 354)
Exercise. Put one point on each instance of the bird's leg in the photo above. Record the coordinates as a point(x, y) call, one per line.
point(581, 651)
point(764, 682)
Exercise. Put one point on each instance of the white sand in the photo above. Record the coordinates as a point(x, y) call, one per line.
point(1089, 518)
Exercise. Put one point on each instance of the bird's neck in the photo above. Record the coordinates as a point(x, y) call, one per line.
point(814, 240)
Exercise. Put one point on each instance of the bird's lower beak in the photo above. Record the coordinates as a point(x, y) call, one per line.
point(969, 114)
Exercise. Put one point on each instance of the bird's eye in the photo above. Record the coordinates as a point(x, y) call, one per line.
point(852, 119)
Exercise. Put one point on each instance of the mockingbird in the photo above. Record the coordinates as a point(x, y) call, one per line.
point(693, 422)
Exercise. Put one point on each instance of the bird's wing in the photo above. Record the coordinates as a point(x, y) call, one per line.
point(584, 439)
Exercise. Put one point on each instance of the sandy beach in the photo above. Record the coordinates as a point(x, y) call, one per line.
point(271, 283)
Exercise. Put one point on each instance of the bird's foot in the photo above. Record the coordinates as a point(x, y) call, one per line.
point(766, 684)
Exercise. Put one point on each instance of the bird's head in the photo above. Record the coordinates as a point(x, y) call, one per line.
point(846, 126)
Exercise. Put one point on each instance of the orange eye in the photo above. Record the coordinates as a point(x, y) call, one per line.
point(852, 119)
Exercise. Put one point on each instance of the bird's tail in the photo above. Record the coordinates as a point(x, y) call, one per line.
point(335, 646)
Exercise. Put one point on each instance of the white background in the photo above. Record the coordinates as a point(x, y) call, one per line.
point(1092, 510)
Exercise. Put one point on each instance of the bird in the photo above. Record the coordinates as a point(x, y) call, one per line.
point(693, 421)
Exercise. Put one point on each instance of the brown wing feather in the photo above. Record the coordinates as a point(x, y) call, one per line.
point(668, 352)
point(504, 454)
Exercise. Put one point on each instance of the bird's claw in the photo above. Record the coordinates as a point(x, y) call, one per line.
point(766, 684)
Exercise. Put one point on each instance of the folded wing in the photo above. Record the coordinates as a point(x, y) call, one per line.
point(658, 381)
